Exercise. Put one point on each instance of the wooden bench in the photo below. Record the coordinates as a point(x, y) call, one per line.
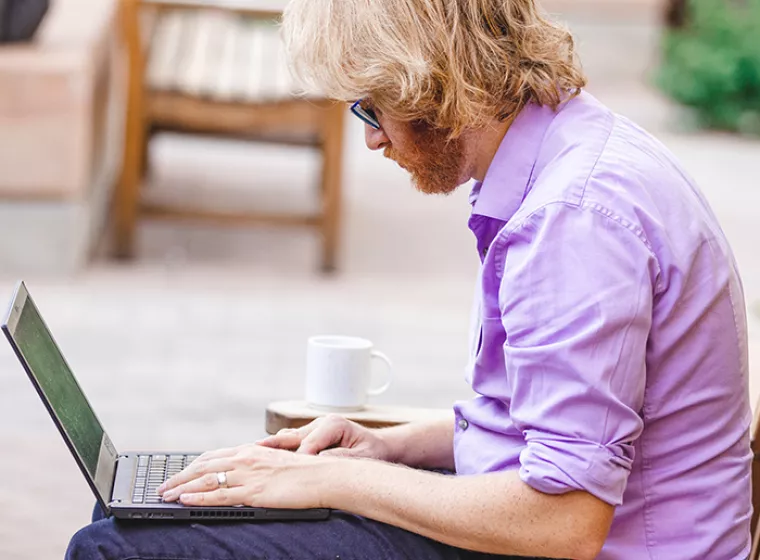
point(220, 69)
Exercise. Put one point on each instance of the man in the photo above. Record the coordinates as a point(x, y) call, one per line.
point(609, 357)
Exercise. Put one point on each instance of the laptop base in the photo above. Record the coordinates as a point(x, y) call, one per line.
point(122, 506)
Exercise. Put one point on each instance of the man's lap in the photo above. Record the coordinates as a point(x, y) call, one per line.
point(343, 536)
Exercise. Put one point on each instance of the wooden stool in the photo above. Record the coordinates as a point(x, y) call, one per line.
point(294, 414)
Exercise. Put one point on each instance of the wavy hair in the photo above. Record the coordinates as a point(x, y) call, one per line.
point(455, 64)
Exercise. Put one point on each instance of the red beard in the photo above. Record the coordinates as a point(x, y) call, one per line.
point(433, 160)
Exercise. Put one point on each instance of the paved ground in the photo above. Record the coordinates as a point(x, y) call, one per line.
point(184, 348)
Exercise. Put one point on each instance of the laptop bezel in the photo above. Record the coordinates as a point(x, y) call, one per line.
point(107, 459)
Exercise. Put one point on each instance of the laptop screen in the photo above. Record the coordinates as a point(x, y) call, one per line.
point(56, 383)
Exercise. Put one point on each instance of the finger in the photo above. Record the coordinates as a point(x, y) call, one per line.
point(291, 438)
point(287, 438)
point(219, 497)
point(196, 470)
point(206, 483)
point(329, 432)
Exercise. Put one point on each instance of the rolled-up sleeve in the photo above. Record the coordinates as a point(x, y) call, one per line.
point(575, 297)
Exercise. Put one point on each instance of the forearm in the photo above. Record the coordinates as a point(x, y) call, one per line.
point(495, 513)
point(423, 445)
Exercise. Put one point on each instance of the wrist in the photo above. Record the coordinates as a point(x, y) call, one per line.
point(427, 445)
point(336, 483)
point(323, 477)
point(392, 440)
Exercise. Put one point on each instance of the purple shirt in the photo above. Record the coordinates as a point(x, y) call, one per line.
point(610, 354)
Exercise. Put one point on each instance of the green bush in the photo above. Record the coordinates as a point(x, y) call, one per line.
point(712, 63)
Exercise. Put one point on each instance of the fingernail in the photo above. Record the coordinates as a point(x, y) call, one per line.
point(168, 497)
point(161, 489)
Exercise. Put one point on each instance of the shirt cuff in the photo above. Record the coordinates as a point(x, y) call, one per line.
point(556, 466)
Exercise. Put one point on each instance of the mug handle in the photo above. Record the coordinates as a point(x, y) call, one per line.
point(382, 389)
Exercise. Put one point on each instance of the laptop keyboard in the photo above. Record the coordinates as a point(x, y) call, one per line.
point(152, 471)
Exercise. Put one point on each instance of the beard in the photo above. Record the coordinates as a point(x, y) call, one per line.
point(433, 160)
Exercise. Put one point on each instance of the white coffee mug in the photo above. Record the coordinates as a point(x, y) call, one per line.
point(339, 370)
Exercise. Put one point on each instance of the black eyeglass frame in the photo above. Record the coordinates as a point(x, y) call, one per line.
point(367, 116)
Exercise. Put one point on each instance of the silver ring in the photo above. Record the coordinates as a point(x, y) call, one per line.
point(221, 478)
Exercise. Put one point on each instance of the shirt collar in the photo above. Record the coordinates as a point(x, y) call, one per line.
point(502, 190)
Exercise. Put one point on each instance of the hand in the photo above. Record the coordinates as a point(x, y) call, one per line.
point(334, 436)
point(256, 477)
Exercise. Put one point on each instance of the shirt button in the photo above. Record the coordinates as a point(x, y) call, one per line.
point(463, 424)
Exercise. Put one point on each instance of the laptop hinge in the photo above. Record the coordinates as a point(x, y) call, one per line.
point(113, 482)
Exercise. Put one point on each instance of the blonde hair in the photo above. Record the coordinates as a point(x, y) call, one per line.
point(455, 64)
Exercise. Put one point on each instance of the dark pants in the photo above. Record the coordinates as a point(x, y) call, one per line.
point(342, 537)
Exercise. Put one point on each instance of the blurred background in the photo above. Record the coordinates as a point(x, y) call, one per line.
point(182, 266)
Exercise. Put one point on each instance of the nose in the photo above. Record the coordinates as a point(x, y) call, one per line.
point(376, 139)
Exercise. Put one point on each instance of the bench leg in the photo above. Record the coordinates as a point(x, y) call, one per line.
point(332, 167)
point(128, 192)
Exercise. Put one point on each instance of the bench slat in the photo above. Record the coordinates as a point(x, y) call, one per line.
point(219, 56)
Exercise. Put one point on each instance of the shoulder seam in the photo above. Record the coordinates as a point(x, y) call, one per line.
point(501, 239)
point(613, 118)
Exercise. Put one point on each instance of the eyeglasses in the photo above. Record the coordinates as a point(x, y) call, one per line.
point(366, 115)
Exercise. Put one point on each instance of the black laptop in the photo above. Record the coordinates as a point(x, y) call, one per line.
point(124, 484)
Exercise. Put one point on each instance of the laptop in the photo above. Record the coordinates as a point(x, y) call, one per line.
point(124, 484)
